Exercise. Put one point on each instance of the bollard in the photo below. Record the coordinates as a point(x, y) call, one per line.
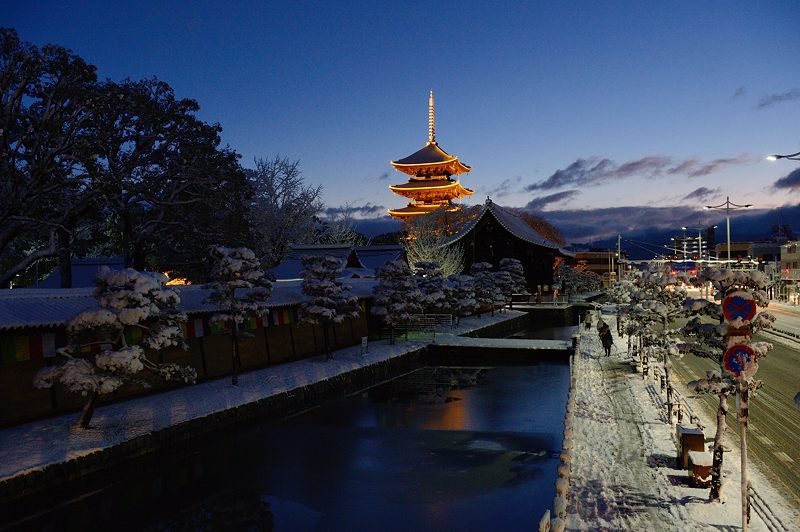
point(680, 412)
point(561, 487)
point(663, 383)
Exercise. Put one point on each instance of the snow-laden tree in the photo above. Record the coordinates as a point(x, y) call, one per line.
point(709, 338)
point(396, 297)
point(428, 235)
point(577, 280)
point(430, 283)
point(517, 272)
point(128, 299)
point(328, 298)
point(460, 292)
point(656, 299)
point(486, 291)
point(239, 290)
point(504, 288)
point(284, 208)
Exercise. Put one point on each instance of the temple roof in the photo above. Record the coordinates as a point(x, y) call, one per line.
point(514, 224)
point(414, 210)
point(432, 160)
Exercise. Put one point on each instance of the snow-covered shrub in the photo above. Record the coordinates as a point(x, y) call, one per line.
point(504, 285)
point(460, 290)
point(486, 291)
point(396, 297)
point(328, 299)
point(239, 290)
point(127, 299)
point(577, 280)
point(517, 273)
point(430, 283)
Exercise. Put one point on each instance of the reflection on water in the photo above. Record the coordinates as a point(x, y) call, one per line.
point(561, 332)
point(440, 449)
point(484, 458)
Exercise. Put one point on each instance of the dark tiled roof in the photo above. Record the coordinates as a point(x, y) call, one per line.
point(514, 224)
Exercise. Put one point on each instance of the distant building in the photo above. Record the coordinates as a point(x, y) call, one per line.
point(739, 250)
point(430, 185)
point(498, 233)
point(790, 273)
point(84, 272)
point(601, 262)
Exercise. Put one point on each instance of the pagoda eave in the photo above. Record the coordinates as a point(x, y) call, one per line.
point(451, 167)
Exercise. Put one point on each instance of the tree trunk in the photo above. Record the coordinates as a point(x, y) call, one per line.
point(88, 411)
point(64, 257)
point(328, 355)
point(139, 257)
point(716, 466)
point(235, 362)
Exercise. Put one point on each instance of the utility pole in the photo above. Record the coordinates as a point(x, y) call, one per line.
point(728, 206)
point(619, 257)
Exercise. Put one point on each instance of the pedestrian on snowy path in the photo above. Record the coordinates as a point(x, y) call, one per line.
point(606, 339)
point(588, 319)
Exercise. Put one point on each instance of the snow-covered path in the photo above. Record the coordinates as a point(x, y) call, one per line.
point(624, 453)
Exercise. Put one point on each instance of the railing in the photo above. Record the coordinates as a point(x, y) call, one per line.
point(763, 510)
point(421, 327)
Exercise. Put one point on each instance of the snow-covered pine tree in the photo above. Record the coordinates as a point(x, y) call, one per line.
point(486, 292)
point(504, 288)
point(460, 290)
point(128, 300)
point(430, 283)
point(396, 297)
point(517, 273)
point(328, 299)
point(708, 339)
point(239, 290)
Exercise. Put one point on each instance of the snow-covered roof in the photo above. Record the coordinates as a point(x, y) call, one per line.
point(31, 307)
point(376, 256)
point(513, 223)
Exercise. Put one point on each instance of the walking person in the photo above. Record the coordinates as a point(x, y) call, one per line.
point(606, 339)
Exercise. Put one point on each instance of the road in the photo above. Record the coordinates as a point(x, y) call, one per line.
point(774, 429)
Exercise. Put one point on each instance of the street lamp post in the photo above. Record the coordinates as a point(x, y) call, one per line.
point(791, 156)
point(728, 206)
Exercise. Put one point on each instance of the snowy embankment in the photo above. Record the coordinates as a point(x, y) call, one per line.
point(36, 445)
point(624, 456)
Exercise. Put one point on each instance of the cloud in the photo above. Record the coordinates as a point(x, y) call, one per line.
point(791, 181)
point(595, 171)
point(701, 194)
point(357, 211)
point(739, 93)
point(537, 204)
point(383, 176)
point(504, 188)
point(772, 99)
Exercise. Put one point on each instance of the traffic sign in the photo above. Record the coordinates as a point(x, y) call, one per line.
point(738, 358)
point(739, 305)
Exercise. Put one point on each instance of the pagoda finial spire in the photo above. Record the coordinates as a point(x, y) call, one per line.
point(431, 121)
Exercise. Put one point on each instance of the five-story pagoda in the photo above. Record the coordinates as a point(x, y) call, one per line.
point(431, 185)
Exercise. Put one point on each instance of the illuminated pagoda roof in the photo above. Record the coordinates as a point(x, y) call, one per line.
point(415, 210)
point(432, 189)
point(430, 160)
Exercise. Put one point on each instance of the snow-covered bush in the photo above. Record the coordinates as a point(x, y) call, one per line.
point(239, 289)
point(430, 283)
point(328, 299)
point(396, 297)
point(517, 273)
point(460, 291)
point(487, 293)
point(127, 299)
point(577, 280)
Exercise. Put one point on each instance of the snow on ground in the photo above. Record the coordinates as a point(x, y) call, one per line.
point(35, 445)
point(624, 456)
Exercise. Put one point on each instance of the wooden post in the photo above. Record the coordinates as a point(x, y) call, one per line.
point(742, 398)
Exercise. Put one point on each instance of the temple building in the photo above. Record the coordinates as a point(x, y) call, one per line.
point(431, 185)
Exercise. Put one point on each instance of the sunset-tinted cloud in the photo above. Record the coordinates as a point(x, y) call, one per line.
point(537, 204)
point(594, 171)
point(504, 188)
point(367, 210)
point(701, 194)
point(791, 181)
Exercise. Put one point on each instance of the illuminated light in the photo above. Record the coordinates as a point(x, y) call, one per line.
point(177, 281)
point(772, 157)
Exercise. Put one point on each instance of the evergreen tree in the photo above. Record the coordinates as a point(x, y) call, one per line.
point(461, 295)
point(328, 300)
point(128, 300)
point(396, 297)
point(430, 282)
point(239, 290)
point(486, 292)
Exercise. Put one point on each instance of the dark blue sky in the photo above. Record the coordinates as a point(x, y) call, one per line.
point(572, 106)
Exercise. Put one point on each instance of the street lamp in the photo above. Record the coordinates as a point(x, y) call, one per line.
point(791, 156)
point(728, 206)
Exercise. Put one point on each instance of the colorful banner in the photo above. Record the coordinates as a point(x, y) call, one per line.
point(283, 316)
point(30, 346)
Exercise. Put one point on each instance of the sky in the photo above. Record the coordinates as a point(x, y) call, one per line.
point(605, 117)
